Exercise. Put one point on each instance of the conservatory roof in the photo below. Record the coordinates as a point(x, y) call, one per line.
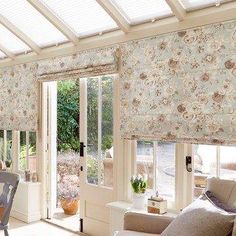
point(36, 29)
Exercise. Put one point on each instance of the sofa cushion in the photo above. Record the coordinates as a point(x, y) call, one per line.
point(132, 233)
point(218, 203)
point(201, 218)
point(222, 189)
point(232, 198)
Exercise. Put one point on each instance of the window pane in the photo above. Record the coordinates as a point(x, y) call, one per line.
point(9, 145)
point(23, 151)
point(190, 5)
point(1, 145)
point(228, 162)
point(75, 14)
point(204, 166)
point(32, 152)
point(142, 10)
point(144, 161)
point(107, 131)
point(31, 22)
point(92, 130)
point(165, 170)
point(11, 42)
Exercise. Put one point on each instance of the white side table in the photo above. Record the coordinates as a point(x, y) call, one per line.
point(117, 212)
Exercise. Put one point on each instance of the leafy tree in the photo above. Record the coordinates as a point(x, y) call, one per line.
point(68, 115)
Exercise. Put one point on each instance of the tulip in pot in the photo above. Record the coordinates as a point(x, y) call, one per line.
point(139, 186)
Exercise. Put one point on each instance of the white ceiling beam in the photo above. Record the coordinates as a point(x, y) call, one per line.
point(56, 21)
point(177, 9)
point(7, 52)
point(18, 33)
point(115, 15)
point(197, 18)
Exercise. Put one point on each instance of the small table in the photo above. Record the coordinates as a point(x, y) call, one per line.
point(117, 212)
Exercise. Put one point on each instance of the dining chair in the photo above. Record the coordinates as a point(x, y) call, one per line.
point(9, 181)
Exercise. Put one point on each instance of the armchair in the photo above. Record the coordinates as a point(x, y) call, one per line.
point(144, 224)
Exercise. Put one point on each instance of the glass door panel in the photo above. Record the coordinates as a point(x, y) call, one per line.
point(99, 159)
point(92, 130)
point(107, 132)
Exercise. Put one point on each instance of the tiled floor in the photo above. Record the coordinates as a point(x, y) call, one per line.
point(71, 222)
point(40, 228)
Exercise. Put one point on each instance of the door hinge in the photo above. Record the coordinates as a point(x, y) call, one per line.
point(81, 225)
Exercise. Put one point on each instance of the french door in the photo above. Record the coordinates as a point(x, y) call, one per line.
point(47, 147)
point(97, 155)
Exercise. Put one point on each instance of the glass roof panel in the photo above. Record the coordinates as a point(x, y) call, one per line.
point(142, 10)
point(191, 5)
point(31, 22)
point(83, 17)
point(11, 42)
point(2, 55)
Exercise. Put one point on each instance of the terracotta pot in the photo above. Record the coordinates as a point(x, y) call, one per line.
point(70, 206)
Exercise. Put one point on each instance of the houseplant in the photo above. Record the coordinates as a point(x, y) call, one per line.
point(68, 195)
point(139, 186)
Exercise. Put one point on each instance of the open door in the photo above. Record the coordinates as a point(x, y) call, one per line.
point(61, 165)
point(96, 137)
point(49, 147)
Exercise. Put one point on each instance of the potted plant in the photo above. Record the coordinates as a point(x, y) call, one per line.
point(139, 185)
point(68, 195)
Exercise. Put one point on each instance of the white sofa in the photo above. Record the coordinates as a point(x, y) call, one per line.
point(136, 224)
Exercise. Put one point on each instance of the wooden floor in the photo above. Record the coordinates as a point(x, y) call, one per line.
point(40, 228)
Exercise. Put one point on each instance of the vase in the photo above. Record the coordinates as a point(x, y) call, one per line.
point(70, 206)
point(139, 201)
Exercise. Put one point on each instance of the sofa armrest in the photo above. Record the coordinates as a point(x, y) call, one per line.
point(148, 223)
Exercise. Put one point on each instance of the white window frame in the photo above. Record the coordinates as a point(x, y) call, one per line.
point(183, 178)
point(218, 161)
point(190, 178)
point(16, 151)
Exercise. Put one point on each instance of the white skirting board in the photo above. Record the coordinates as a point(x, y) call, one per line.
point(26, 205)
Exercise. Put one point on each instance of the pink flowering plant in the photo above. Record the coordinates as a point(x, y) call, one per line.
point(68, 190)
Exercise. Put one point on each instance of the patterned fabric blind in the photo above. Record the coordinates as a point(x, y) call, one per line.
point(19, 85)
point(181, 87)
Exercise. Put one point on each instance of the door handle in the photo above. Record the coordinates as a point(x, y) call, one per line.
point(189, 163)
point(81, 149)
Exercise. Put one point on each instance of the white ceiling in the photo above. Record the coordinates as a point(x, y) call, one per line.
point(25, 27)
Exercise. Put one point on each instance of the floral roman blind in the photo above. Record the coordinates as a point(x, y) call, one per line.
point(181, 86)
point(84, 64)
point(19, 85)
